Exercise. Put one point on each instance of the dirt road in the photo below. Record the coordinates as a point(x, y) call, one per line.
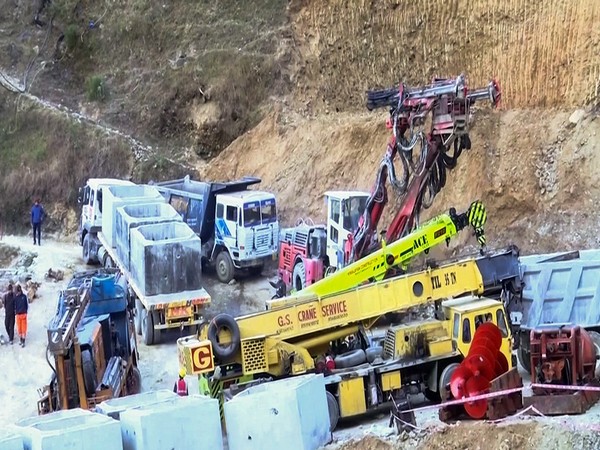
point(26, 369)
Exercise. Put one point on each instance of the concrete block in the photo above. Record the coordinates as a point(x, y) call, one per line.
point(79, 429)
point(166, 258)
point(295, 410)
point(115, 406)
point(115, 196)
point(131, 216)
point(9, 440)
point(181, 423)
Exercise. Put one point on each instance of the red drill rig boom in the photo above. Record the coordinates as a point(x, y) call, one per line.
point(448, 103)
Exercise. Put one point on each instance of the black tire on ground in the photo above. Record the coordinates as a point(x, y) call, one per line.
point(350, 359)
point(595, 336)
point(445, 380)
point(373, 352)
point(334, 410)
point(139, 308)
point(224, 321)
point(147, 327)
point(87, 250)
point(299, 276)
point(89, 372)
point(524, 358)
point(134, 381)
point(224, 267)
point(256, 270)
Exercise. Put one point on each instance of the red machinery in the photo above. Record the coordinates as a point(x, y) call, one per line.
point(564, 356)
point(447, 103)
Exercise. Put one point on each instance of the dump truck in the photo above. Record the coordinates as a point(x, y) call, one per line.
point(132, 228)
point(367, 357)
point(92, 345)
point(238, 226)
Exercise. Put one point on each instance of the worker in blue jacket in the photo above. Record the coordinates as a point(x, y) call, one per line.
point(37, 217)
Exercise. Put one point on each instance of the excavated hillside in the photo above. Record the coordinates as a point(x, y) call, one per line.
point(222, 90)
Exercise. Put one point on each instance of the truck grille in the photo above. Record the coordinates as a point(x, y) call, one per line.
point(254, 356)
point(262, 240)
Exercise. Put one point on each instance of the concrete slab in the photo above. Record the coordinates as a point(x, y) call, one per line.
point(166, 258)
point(181, 423)
point(295, 410)
point(131, 216)
point(81, 429)
point(9, 440)
point(114, 197)
point(115, 406)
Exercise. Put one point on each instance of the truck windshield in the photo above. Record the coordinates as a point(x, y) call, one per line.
point(268, 211)
point(352, 210)
point(251, 214)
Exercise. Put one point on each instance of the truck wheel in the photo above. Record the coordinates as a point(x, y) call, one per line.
point(87, 250)
point(350, 359)
point(139, 310)
point(224, 321)
point(256, 270)
point(334, 410)
point(224, 266)
point(524, 358)
point(147, 327)
point(299, 276)
point(134, 381)
point(445, 380)
point(89, 372)
point(595, 336)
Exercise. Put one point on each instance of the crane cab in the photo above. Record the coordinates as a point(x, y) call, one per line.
point(344, 211)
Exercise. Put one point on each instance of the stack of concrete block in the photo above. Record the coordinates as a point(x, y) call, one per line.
point(75, 428)
point(9, 440)
point(165, 258)
point(178, 423)
point(132, 216)
point(295, 410)
point(114, 197)
point(115, 406)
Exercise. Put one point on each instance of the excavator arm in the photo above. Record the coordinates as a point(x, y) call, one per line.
point(448, 104)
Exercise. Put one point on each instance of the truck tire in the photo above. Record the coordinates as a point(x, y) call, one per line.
point(86, 252)
point(524, 358)
point(299, 276)
point(228, 322)
point(139, 309)
point(350, 359)
point(334, 410)
point(224, 267)
point(134, 381)
point(147, 327)
point(444, 380)
point(89, 372)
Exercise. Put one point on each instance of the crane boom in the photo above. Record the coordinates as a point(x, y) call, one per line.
point(375, 265)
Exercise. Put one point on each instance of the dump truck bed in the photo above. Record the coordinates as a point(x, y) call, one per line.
point(560, 288)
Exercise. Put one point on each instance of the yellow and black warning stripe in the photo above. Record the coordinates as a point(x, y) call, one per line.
point(477, 215)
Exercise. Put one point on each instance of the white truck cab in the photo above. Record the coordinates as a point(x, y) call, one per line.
point(344, 210)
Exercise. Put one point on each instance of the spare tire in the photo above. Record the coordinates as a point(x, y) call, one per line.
point(227, 322)
point(350, 359)
point(373, 353)
point(89, 372)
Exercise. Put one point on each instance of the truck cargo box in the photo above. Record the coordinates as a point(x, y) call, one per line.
point(116, 196)
point(165, 258)
point(131, 216)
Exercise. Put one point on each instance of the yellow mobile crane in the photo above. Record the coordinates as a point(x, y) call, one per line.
point(374, 361)
point(377, 265)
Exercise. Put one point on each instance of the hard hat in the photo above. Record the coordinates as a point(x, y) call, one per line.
point(182, 372)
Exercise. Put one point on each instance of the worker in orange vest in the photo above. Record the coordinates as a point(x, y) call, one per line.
point(180, 387)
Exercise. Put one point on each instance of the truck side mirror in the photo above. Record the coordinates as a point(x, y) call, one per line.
point(80, 196)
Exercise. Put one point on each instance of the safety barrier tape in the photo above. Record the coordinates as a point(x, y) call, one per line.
point(502, 393)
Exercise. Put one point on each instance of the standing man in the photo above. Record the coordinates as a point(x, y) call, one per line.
point(21, 307)
point(9, 313)
point(37, 217)
point(180, 387)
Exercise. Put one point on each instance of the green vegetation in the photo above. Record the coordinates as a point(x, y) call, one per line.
point(96, 89)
